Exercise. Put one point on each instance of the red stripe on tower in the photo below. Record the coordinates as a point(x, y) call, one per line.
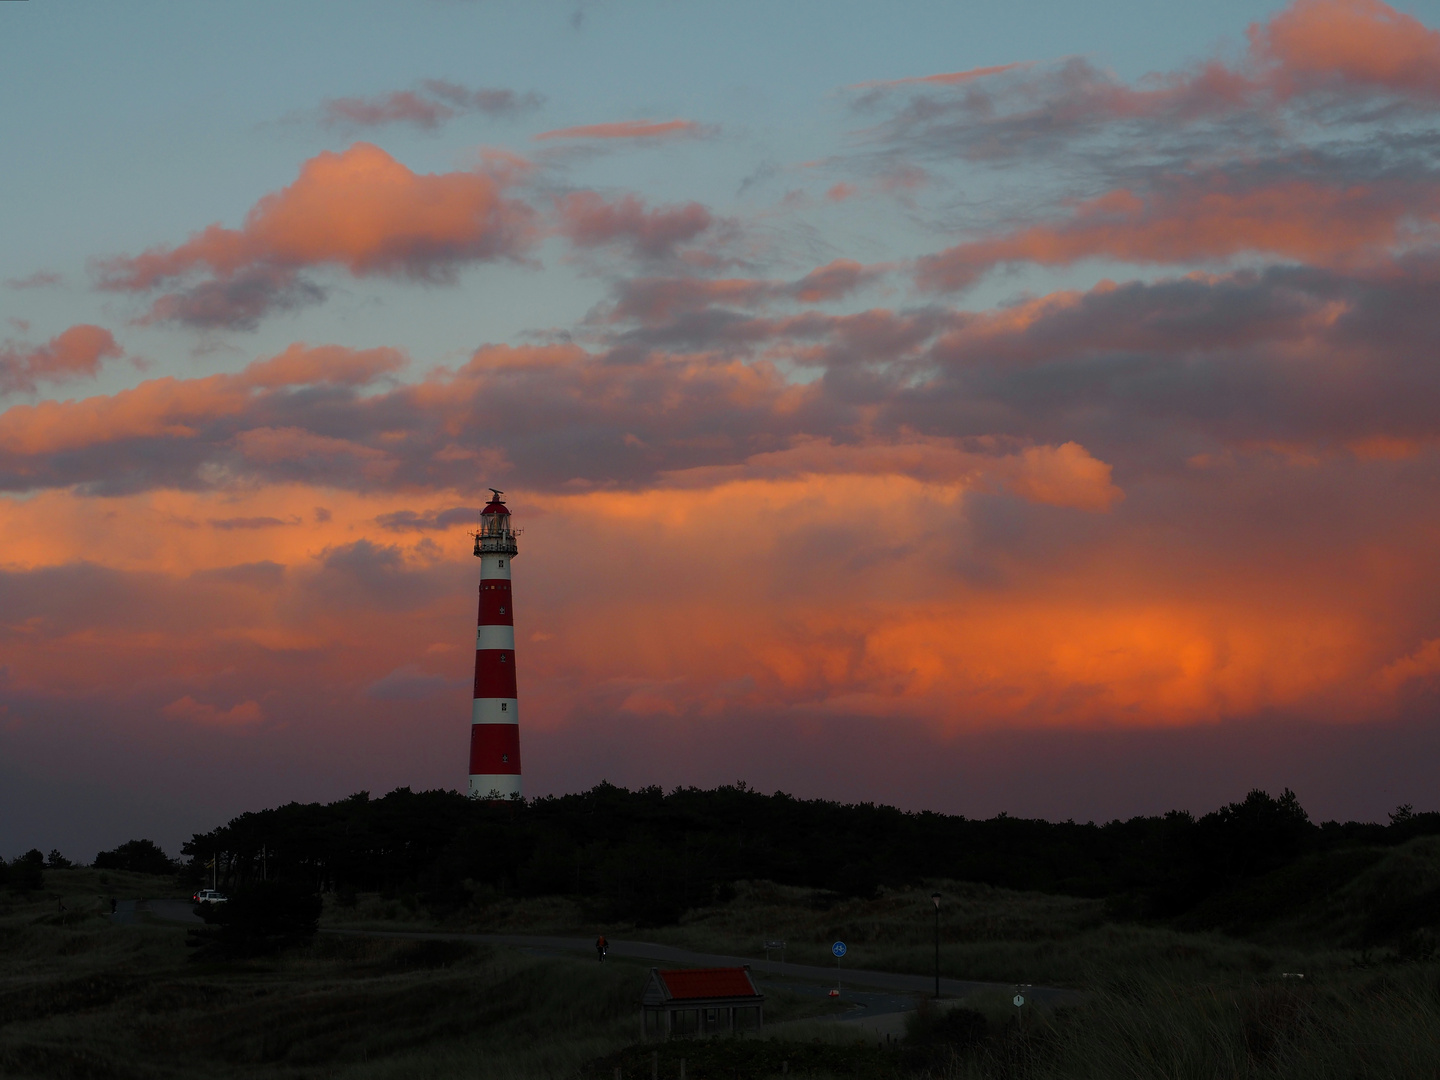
point(494, 719)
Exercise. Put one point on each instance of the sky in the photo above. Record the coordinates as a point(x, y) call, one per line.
point(1028, 408)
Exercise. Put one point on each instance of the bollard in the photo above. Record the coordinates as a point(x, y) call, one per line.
point(682, 1069)
point(654, 1065)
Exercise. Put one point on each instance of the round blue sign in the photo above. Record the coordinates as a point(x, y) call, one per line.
point(838, 949)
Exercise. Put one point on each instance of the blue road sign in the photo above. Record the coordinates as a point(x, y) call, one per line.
point(838, 949)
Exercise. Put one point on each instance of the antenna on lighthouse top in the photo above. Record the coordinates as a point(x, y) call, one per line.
point(497, 495)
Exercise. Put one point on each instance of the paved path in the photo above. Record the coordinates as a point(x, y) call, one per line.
point(133, 912)
point(670, 954)
point(901, 991)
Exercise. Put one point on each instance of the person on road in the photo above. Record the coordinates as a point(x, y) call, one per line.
point(601, 947)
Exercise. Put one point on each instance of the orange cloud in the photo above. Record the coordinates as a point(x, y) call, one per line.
point(1207, 219)
point(75, 353)
point(172, 407)
point(360, 210)
point(632, 129)
point(1322, 43)
point(1064, 475)
point(1423, 663)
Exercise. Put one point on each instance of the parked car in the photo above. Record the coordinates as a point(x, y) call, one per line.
point(209, 896)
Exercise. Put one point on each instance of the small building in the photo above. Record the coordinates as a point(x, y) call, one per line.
point(714, 995)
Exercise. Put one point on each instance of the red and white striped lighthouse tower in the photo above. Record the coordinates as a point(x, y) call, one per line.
point(494, 723)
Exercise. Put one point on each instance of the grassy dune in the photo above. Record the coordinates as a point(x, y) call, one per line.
point(82, 998)
point(89, 1000)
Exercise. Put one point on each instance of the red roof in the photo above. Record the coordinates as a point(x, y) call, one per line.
point(495, 507)
point(708, 982)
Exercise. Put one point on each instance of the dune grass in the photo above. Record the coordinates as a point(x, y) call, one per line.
point(88, 999)
point(82, 998)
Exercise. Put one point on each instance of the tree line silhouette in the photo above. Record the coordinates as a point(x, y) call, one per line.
point(646, 856)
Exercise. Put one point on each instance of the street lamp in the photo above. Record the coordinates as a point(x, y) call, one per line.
point(935, 899)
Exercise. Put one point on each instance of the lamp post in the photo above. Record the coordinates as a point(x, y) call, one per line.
point(935, 899)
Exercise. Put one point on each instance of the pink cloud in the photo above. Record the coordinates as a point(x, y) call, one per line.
point(632, 129)
point(841, 191)
point(190, 711)
point(833, 281)
point(951, 78)
point(76, 353)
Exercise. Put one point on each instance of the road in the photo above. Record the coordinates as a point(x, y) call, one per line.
point(670, 954)
point(888, 994)
point(129, 912)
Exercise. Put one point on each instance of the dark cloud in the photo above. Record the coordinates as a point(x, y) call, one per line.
point(589, 220)
point(249, 523)
point(41, 279)
point(237, 303)
point(375, 577)
point(1292, 355)
point(410, 521)
point(491, 100)
point(436, 102)
point(410, 683)
point(257, 575)
point(1334, 60)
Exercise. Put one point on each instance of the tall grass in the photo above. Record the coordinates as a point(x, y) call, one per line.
point(1372, 1024)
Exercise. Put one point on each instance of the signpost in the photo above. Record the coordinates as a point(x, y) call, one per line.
point(839, 950)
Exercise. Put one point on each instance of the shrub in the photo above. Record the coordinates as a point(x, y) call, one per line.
point(137, 856)
point(262, 919)
point(27, 872)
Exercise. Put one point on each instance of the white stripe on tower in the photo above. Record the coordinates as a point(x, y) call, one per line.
point(494, 717)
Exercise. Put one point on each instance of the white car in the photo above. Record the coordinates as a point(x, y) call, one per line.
point(209, 896)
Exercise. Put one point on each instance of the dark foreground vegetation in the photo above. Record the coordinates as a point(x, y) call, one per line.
point(81, 997)
point(645, 857)
point(1248, 944)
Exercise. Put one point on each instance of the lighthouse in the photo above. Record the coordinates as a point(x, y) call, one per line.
point(494, 722)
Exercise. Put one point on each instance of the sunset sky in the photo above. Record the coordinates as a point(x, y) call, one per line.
point(1028, 407)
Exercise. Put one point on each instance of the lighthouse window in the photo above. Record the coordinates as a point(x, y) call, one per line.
point(505, 758)
point(504, 705)
point(502, 562)
point(502, 658)
point(502, 611)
